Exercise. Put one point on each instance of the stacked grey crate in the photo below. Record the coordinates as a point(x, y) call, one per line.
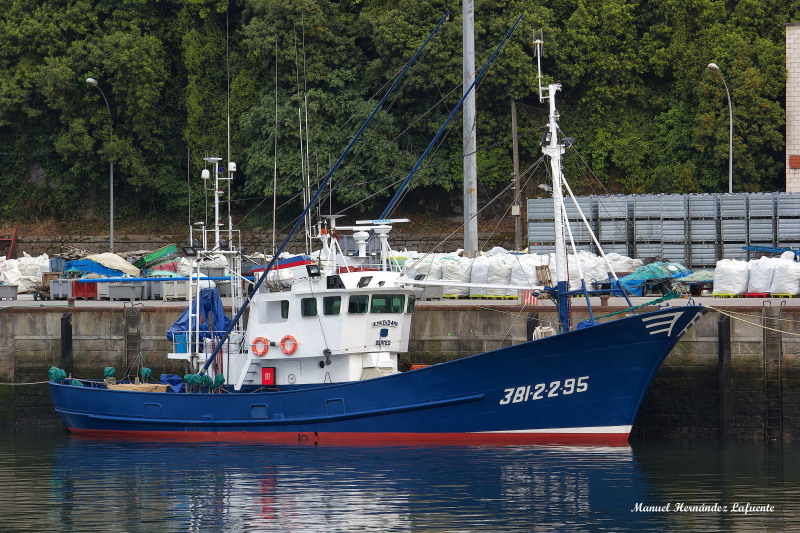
point(60, 289)
point(788, 230)
point(733, 225)
point(580, 233)
point(703, 232)
point(614, 224)
point(153, 290)
point(761, 219)
point(647, 226)
point(673, 228)
point(541, 234)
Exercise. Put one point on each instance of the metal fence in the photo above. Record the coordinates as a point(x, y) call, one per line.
point(693, 229)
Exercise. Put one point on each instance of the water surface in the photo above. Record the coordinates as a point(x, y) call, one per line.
point(52, 482)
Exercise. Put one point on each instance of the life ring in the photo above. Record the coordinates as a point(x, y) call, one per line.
point(284, 349)
point(259, 351)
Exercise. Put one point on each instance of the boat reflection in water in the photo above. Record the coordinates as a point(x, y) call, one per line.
point(202, 487)
point(54, 483)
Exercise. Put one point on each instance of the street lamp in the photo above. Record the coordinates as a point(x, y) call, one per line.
point(715, 68)
point(93, 83)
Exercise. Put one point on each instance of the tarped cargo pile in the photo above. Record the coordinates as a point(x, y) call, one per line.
point(634, 283)
point(26, 272)
point(499, 267)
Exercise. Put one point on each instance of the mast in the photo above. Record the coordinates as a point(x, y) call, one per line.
point(215, 162)
point(306, 191)
point(275, 154)
point(554, 150)
point(309, 224)
point(470, 131)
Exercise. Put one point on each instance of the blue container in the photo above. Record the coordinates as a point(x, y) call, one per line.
point(181, 346)
point(87, 265)
point(181, 343)
point(58, 264)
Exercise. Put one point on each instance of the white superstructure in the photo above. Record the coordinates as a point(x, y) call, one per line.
point(333, 318)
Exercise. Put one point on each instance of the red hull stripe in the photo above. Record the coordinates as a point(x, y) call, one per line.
point(350, 439)
point(288, 263)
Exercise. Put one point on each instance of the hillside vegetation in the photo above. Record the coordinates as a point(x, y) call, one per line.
point(647, 114)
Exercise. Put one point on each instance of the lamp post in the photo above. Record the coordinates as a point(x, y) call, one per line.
point(93, 83)
point(715, 68)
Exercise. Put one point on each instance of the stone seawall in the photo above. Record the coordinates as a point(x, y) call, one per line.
point(253, 241)
point(731, 379)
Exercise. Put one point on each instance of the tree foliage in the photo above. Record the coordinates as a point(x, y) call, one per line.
point(647, 114)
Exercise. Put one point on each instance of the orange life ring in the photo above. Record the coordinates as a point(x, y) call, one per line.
point(288, 351)
point(264, 346)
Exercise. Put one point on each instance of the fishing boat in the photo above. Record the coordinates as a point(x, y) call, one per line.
point(318, 359)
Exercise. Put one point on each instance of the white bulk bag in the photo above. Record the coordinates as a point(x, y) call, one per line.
point(500, 274)
point(456, 269)
point(761, 271)
point(786, 277)
point(731, 277)
point(479, 274)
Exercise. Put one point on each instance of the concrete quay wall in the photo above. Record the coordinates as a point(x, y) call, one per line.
point(731, 379)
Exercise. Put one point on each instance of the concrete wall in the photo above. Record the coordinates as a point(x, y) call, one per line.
point(253, 241)
point(753, 394)
point(30, 342)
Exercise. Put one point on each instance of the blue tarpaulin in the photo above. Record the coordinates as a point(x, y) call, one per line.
point(210, 304)
point(633, 282)
point(175, 382)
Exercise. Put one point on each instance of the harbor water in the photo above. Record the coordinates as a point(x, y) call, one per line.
point(54, 482)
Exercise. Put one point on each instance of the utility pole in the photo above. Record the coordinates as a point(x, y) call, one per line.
point(470, 131)
point(515, 207)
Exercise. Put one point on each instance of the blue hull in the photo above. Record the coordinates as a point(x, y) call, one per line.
point(582, 386)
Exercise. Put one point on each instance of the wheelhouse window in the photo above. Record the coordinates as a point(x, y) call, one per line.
point(411, 304)
point(276, 311)
point(331, 305)
point(358, 304)
point(308, 307)
point(387, 303)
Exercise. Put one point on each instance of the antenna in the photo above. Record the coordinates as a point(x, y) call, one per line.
point(228, 76)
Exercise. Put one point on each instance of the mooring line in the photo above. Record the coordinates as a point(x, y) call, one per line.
point(720, 311)
point(771, 318)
